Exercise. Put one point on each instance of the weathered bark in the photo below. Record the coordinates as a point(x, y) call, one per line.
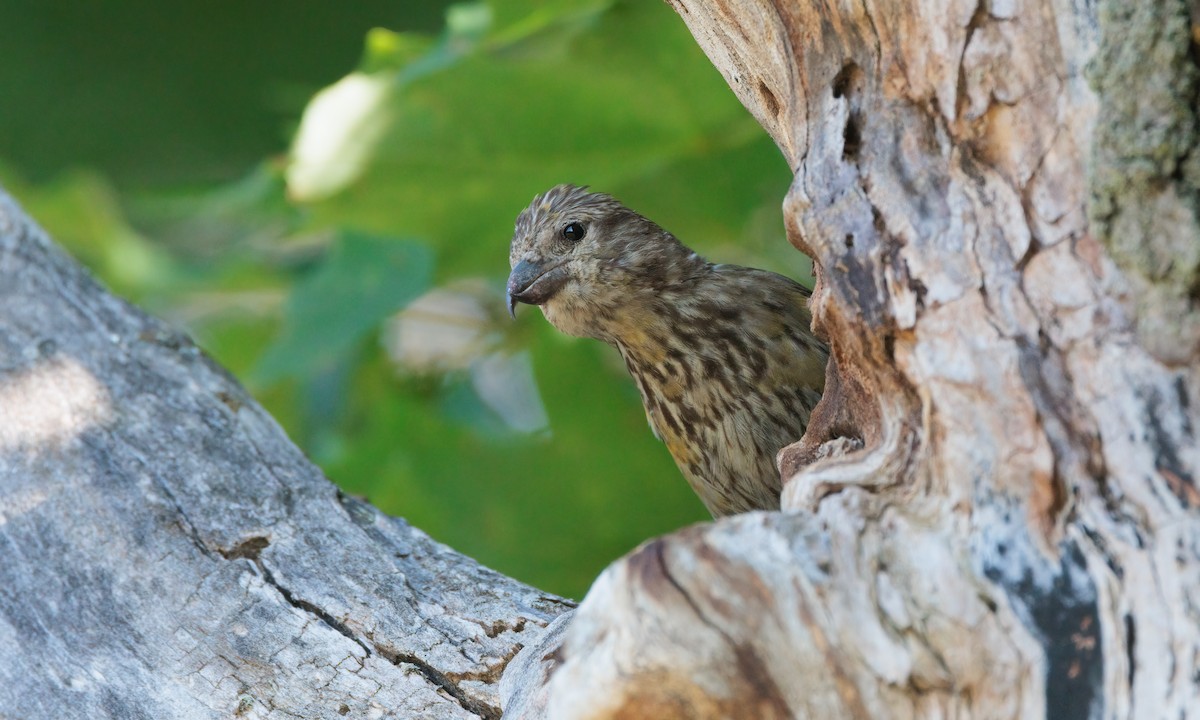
point(994, 512)
point(166, 552)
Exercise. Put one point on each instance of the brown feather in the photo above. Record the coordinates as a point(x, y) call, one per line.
point(723, 355)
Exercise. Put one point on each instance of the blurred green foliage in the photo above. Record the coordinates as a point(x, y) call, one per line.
point(518, 446)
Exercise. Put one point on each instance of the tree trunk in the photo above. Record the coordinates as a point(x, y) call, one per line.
point(166, 552)
point(994, 512)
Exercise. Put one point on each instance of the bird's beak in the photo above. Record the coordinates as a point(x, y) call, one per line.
point(534, 283)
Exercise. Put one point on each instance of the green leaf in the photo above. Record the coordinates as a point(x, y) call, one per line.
point(611, 95)
point(364, 279)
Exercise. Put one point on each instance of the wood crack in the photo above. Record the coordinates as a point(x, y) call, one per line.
point(310, 608)
point(441, 680)
point(434, 676)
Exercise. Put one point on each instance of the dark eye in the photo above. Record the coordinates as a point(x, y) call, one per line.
point(574, 232)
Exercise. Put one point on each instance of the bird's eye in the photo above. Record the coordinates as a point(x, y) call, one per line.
point(574, 232)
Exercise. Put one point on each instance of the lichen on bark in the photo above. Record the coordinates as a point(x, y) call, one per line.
point(1145, 169)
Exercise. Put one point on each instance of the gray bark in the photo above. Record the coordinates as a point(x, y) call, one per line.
point(165, 551)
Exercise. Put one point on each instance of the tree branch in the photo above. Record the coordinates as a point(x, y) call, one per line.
point(169, 553)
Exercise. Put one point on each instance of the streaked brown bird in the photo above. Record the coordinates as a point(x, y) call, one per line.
point(723, 356)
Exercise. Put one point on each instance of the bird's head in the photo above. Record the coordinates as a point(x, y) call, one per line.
point(586, 259)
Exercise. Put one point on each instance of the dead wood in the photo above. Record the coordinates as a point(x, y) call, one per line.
point(994, 512)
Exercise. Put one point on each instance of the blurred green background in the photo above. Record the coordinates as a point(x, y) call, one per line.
point(323, 196)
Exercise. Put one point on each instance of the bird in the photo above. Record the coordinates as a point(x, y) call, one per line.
point(723, 356)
